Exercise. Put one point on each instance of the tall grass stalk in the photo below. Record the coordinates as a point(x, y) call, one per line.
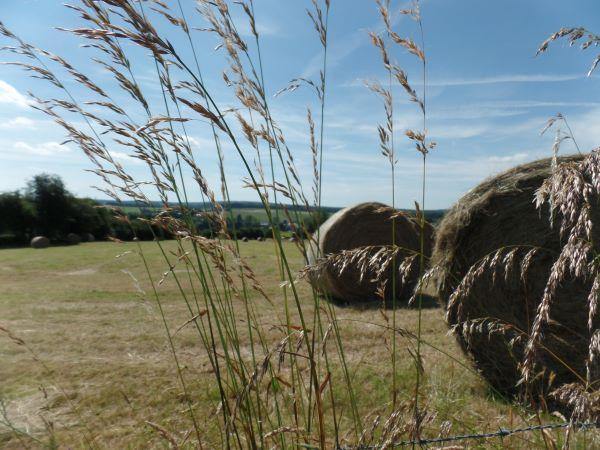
point(386, 136)
point(422, 145)
point(423, 149)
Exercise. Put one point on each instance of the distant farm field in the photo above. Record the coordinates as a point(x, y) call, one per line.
point(255, 212)
point(102, 367)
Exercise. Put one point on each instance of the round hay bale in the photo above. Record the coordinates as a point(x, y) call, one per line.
point(40, 242)
point(366, 225)
point(491, 313)
point(260, 239)
point(88, 237)
point(73, 239)
point(244, 239)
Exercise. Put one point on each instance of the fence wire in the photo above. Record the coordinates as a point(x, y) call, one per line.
point(502, 432)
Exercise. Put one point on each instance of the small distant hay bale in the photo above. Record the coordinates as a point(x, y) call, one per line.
point(244, 239)
point(88, 237)
point(366, 228)
point(40, 242)
point(73, 239)
point(492, 312)
point(260, 239)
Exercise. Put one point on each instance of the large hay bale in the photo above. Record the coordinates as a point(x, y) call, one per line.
point(88, 237)
point(73, 239)
point(40, 242)
point(492, 318)
point(363, 225)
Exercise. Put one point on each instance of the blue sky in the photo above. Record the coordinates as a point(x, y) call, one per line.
point(489, 96)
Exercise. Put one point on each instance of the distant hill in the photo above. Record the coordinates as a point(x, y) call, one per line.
point(432, 215)
point(201, 205)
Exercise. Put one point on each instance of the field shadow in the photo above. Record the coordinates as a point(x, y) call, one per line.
point(427, 302)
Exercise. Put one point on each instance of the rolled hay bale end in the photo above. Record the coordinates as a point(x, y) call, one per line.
point(40, 242)
point(366, 232)
point(244, 239)
point(260, 239)
point(73, 239)
point(88, 237)
point(493, 255)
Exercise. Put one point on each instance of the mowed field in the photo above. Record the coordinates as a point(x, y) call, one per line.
point(101, 367)
point(258, 213)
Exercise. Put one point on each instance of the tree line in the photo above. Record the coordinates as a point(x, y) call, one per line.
point(46, 208)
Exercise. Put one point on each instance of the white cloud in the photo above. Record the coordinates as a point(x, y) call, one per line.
point(585, 129)
point(515, 78)
point(516, 158)
point(458, 131)
point(534, 104)
point(19, 123)
point(42, 149)
point(8, 94)
point(121, 156)
point(200, 142)
point(510, 78)
point(263, 28)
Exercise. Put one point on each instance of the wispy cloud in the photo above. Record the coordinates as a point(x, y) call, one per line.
point(18, 123)
point(585, 129)
point(512, 159)
point(342, 50)
point(515, 78)
point(41, 149)
point(9, 95)
point(497, 79)
point(536, 104)
point(124, 157)
point(345, 46)
point(263, 27)
point(464, 131)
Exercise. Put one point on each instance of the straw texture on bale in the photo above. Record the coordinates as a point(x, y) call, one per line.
point(40, 242)
point(365, 225)
point(492, 319)
point(73, 239)
point(88, 237)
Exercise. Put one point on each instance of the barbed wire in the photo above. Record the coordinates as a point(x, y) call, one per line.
point(502, 432)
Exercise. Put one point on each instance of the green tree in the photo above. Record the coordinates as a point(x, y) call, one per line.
point(315, 220)
point(239, 222)
point(251, 221)
point(86, 216)
point(16, 216)
point(52, 205)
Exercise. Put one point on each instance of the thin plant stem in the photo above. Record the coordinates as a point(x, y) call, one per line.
point(422, 236)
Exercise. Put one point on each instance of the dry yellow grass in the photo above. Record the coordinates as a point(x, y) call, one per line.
point(79, 310)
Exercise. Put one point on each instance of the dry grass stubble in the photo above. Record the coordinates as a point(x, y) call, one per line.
point(105, 347)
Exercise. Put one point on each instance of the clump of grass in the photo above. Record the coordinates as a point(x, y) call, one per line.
point(215, 272)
